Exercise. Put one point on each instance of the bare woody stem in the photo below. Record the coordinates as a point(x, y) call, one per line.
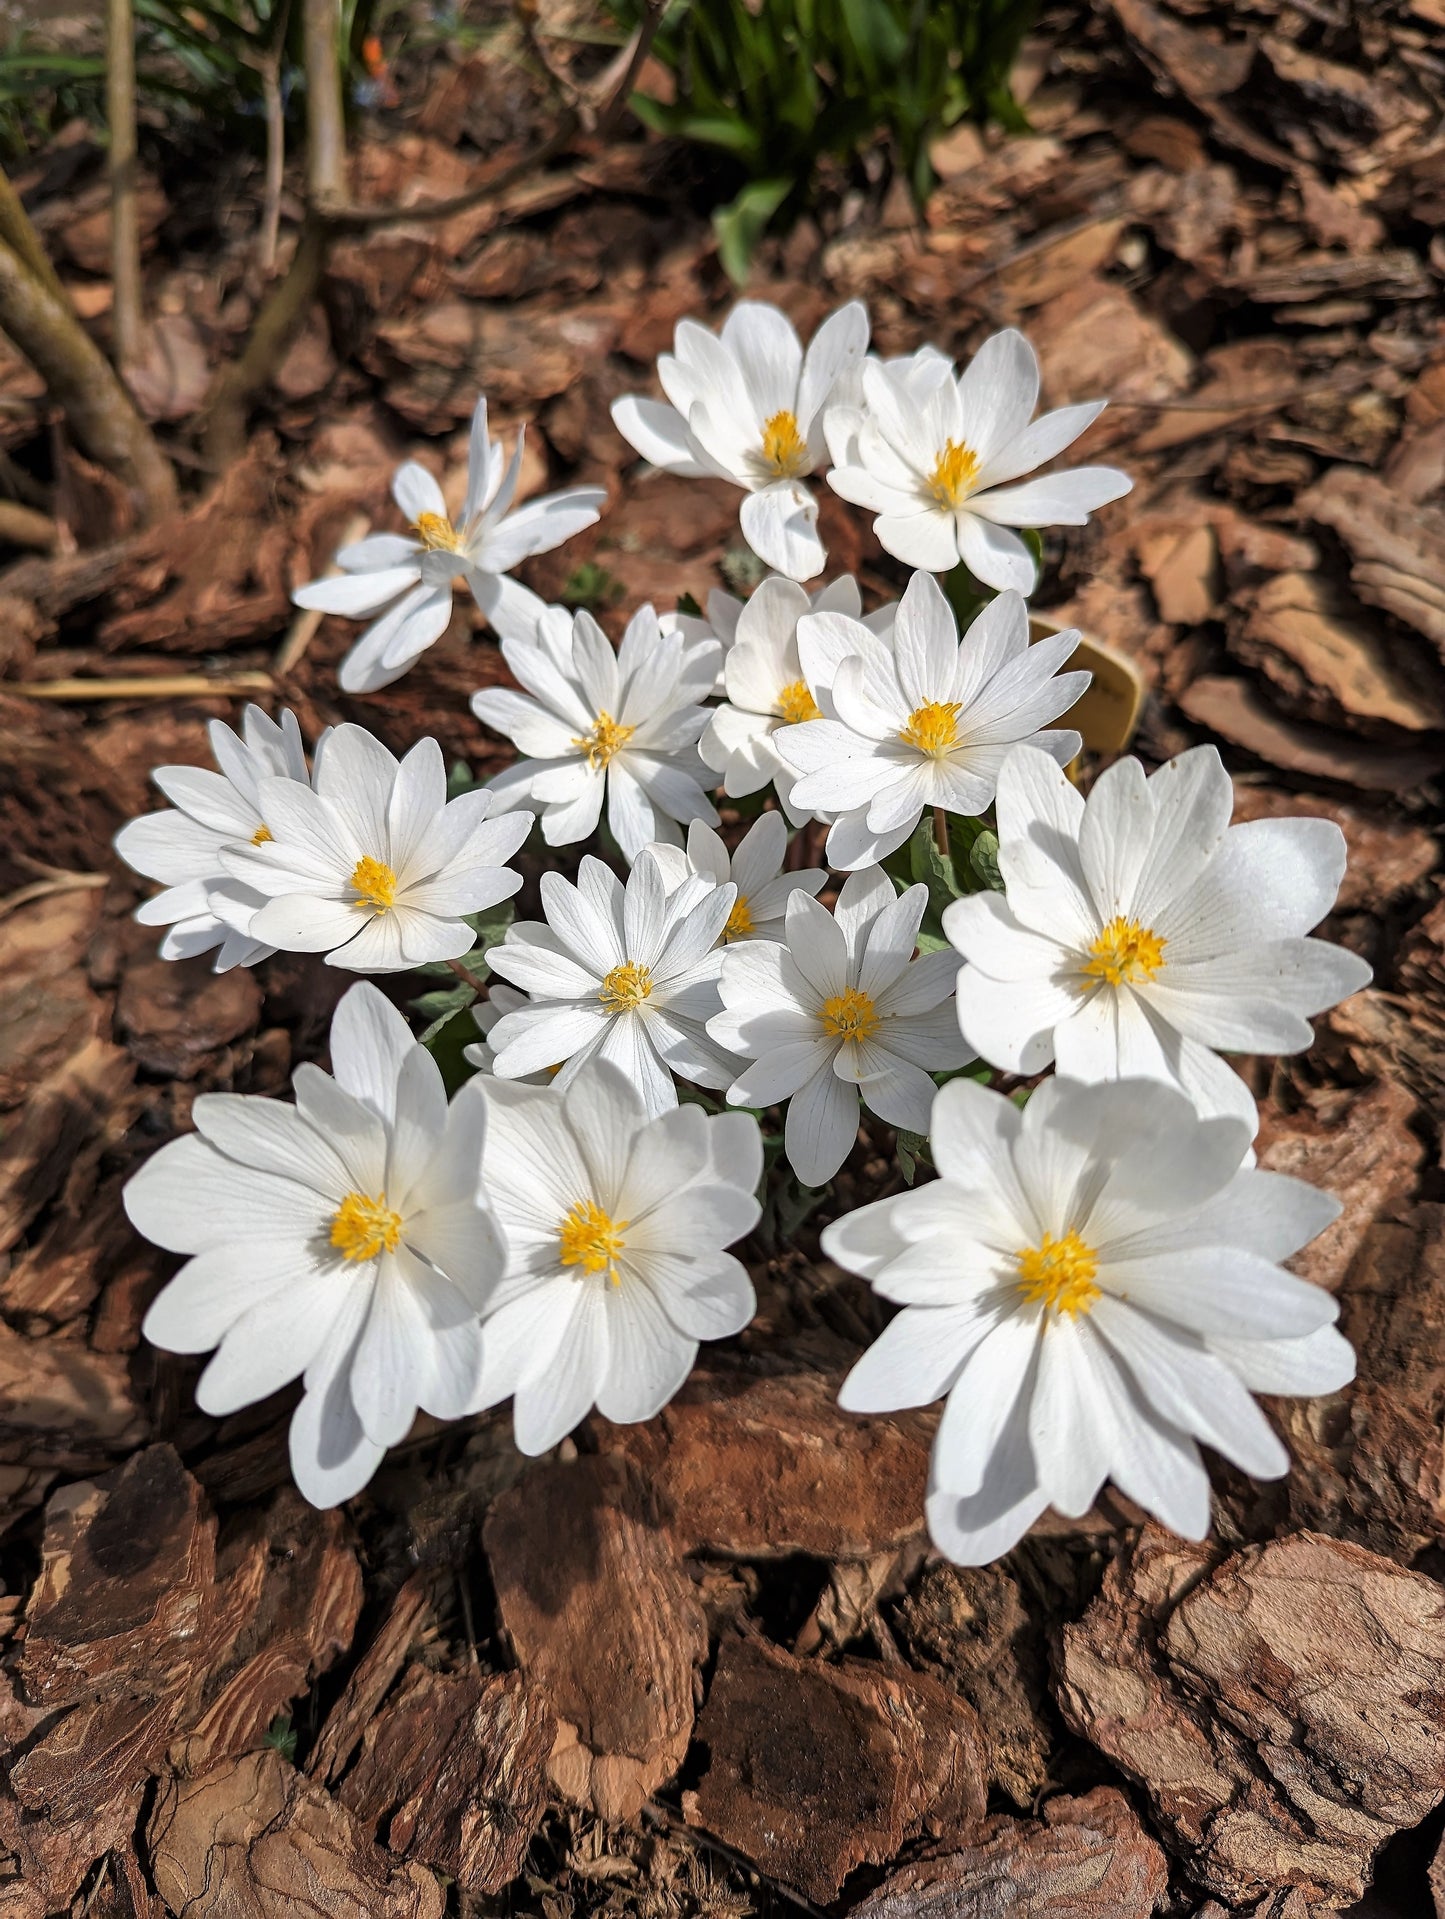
point(120, 108)
point(325, 111)
point(940, 830)
point(97, 408)
point(22, 239)
point(468, 978)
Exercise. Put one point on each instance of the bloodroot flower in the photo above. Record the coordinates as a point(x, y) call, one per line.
point(749, 406)
point(755, 869)
point(408, 580)
point(1094, 1286)
point(615, 1225)
point(202, 906)
point(1139, 931)
point(341, 1240)
point(375, 867)
point(843, 1009)
point(933, 457)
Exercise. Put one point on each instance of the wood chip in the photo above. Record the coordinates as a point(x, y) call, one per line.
point(1281, 1709)
point(601, 1614)
point(816, 1769)
point(1313, 642)
point(1086, 1858)
point(1238, 713)
point(1396, 546)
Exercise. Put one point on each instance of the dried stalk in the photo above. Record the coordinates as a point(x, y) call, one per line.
point(120, 110)
point(325, 112)
point(22, 239)
point(97, 408)
point(270, 227)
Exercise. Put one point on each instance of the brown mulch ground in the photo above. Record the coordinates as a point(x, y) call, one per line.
point(706, 1666)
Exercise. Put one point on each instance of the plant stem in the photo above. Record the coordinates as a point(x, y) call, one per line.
point(940, 830)
point(124, 214)
point(641, 47)
point(97, 408)
point(18, 234)
point(275, 163)
point(468, 978)
point(325, 112)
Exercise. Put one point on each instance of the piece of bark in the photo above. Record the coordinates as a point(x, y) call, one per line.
point(1086, 1858)
point(249, 1838)
point(971, 1627)
point(601, 1614)
point(453, 1769)
point(1236, 711)
point(1182, 567)
point(1360, 1146)
point(1311, 641)
point(175, 1014)
point(1281, 1707)
point(85, 1104)
point(815, 1769)
point(763, 1467)
point(1396, 546)
point(371, 1680)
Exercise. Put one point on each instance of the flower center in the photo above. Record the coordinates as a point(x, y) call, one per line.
point(437, 534)
point(374, 882)
point(261, 835)
point(605, 737)
point(740, 920)
point(1125, 953)
point(796, 704)
point(1058, 1274)
point(933, 728)
point(626, 987)
point(592, 1239)
point(362, 1227)
point(785, 451)
point(850, 1014)
point(953, 475)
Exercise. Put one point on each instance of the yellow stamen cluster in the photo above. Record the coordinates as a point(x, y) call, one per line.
point(850, 1015)
point(1125, 953)
point(437, 534)
point(796, 703)
point(933, 728)
point(592, 1239)
point(625, 987)
point(953, 475)
point(785, 451)
point(740, 921)
point(261, 835)
point(602, 740)
point(362, 1227)
point(374, 882)
point(1058, 1274)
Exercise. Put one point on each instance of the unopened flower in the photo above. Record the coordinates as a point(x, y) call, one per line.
point(615, 1225)
point(755, 869)
point(920, 719)
point(341, 1241)
point(592, 721)
point(408, 580)
point(1139, 931)
point(748, 405)
point(1094, 1285)
point(933, 456)
point(842, 1009)
point(764, 684)
point(372, 865)
point(628, 975)
point(202, 906)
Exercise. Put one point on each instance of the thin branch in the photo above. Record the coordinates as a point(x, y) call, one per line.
point(270, 227)
point(302, 632)
point(642, 46)
point(351, 219)
point(120, 115)
point(325, 112)
point(167, 686)
point(940, 830)
point(97, 408)
point(23, 526)
point(22, 239)
point(59, 883)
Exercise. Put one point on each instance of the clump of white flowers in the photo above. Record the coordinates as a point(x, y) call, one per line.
point(1093, 1281)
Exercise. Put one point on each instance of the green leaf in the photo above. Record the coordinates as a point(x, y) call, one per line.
point(742, 224)
point(445, 1040)
point(688, 605)
point(437, 1008)
point(984, 860)
point(459, 780)
point(912, 1153)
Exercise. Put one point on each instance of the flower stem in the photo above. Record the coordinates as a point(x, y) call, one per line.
point(468, 978)
point(940, 830)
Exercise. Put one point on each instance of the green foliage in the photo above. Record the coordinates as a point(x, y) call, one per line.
point(447, 1010)
point(778, 87)
point(593, 587)
point(282, 1735)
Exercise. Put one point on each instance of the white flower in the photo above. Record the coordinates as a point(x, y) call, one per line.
point(932, 456)
point(843, 1009)
point(1139, 930)
point(341, 1241)
point(749, 407)
point(717, 627)
point(409, 581)
point(372, 865)
point(181, 846)
point(486, 1012)
point(755, 870)
point(762, 677)
point(615, 1225)
point(1094, 1285)
point(595, 721)
point(922, 719)
point(628, 975)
